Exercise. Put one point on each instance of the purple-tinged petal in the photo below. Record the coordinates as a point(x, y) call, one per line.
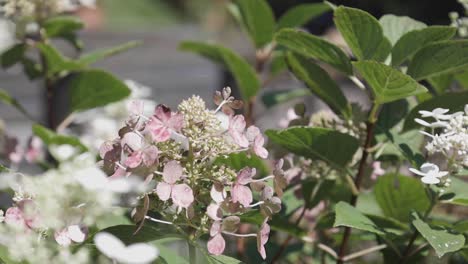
point(245, 175)
point(241, 194)
point(214, 212)
point(150, 155)
point(231, 223)
point(215, 228)
point(134, 160)
point(216, 245)
point(258, 147)
point(162, 113)
point(172, 172)
point(262, 238)
point(132, 140)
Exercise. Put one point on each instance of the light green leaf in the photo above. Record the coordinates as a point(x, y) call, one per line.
point(453, 101)
point(168, 255)
point(49, 137)
point(438, 58)
point(320, 83)
point(94, 88)
point(346, 215)
point(12, 55)
point(62, 26)
point(440, 239)
point(457, 192)
point(278, 63)
point(383, 51)
point(56, 62)
point(147, 233)
point(317, 143)
point(387, 83)
point(7, 99)
point(441, 83)
point(314, 47)
point(276, 97)
point(360, 30)
point(95, 56)
point(405, 146)
point(396, 26)
point(258, 19)
point(413, 41)
point(462, 79)
point(224, 260)
point(398, 195)
point(301, 14)
point(243, 73)
point(314, 191)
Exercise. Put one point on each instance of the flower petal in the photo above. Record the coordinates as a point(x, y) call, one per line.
point(182, 195)
point(241, 194)
point(216, 245)
point(172, 172)
point(163, 190)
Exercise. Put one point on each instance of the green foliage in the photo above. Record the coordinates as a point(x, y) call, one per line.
point(361, 31)
point(258, 19)
point(443, 241)
point(278, 223)
point(396, 26)
point(7, 99)
point(387, 83)
point(315, 191)
point(457, 192)
point(238, 161)
point(56, 62)
point(273, 98)
point(314, 47)
point(49, 137)
point(13, 55)
point(147, 233)
point(243, 73)
point(413, 41)
point(317, 143)
point(64, 27)
point(347, 215)
point(95, 56)
point(94, 88)
point(224, 260)
point(301, 14)
point(439, 58)
point(453, 101)
point(398, 195)
point(320, 83)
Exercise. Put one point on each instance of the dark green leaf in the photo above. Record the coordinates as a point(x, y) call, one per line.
point(406, 146)
point(49, 137)
point(243, 73)
point(301, 14)
point(95, 56)
point(387, 83)
point(315, 191)
point(62, 26)
point(346, 215)
point(438, 58)
point(31, 68)
point(147, 233)
point(276, 223)
point(413, 41)
point(361, 31)
point(94, 88)
point(441, 83)
point(317, 143)
point(314, 47)
point(398, 195)
point(56, 62)
point(391, 114)
point(453, 101)
point(383, 51)
point(12, 55)
point(462, 79)
point(440, 239)
point(276, 97)
point(258, 19)
point(238, 161)
point(320, 83)
point(396, 26)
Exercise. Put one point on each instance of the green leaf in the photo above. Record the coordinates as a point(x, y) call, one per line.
point(347, 215)
point(276, 223)
point(383, 51)
point(168, 255)
point(258, 19)
point(457, 192)
point(56, 62)
point(95, 56)
point(414, 40)
point(94, 88)
point(396, 26)
point(49, 137)
point(391, 114)
point(7, 99)
point(12, 55)
point(317, 143)
point(222, 259)
point(147, 233)
point(314, 47)
point(398, 195)
point(438, 58)
point(238, 161)
point(441, 83)
point(315, 191)
point(278, 63)
point(405, 145)
point(301, 14)
point(453, 101)
point(276, 97)
point(440, 239)
point(31, 68)
point(243, 73)
point(320, 83)
point(462, 79)
point(387, 83)
point(62, 25)
point(360, 30)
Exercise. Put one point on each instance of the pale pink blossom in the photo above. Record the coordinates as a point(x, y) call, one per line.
point(163, 123)
point(254, 136)
point(377, 170)
point(73, 233)
point(35, 150)
point(23, 215)
point(239, 192)
point(181, 194)
point(236, 131)
point(214, 212)
point(216, 244)
point(262, 238)
point(218, 193)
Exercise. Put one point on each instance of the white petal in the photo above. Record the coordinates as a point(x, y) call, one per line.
point(138, 253)
point(91, 178)
point(429, 167)
point(76, 234)
point(415, 171)
point(430, 180)
point(109, 245)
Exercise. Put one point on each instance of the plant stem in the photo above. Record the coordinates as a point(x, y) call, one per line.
point(192, 253)
point(359, 176)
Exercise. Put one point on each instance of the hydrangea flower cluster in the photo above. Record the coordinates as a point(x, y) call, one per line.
point(21, 9)
point(54, 210)
point(176, 150)
point(461, 22)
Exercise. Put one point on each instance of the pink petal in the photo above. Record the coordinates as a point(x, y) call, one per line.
point(158, 131)
point(252, 133)
point(61, 237)
point(214, 212)
point(77, 233)
point(132, 140)
point(172, 172)
point(241, 194)
point(236, 130)
point(119, 173)
point(150, 155)
point(134, 160)
point(240, 139)
point(215, 228)
point(162, 112)
point(217, 193)
point(258, 147)
point(34, 152)
point(262, 238)
point(245, 175)
point(176, 122)
point(29, 210)
point(216, 245)
point(14, 216)
point(182, 195)
point(163, 190)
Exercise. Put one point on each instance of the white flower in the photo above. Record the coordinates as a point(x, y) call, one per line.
point(115, 249)
point(430, 172)
point(431, 125)
point(438, 113)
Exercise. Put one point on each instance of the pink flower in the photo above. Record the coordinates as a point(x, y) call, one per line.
point(218, 193)
point(241, 193)
point(377, 170)
point(163, 122)
point(181, 194)
point(12, 150)
point(73, 233)
point(23, 215)
point(255, 137)
point(262, 238)
point(34, 152)
point(216, 244)
point(139, 154)
point(214, 212)
point(236, 131)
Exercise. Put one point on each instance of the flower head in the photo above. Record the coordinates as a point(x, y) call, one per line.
point(163, 123)
point(430, 172)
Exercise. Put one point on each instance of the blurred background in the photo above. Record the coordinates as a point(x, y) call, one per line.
point(173, 75)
